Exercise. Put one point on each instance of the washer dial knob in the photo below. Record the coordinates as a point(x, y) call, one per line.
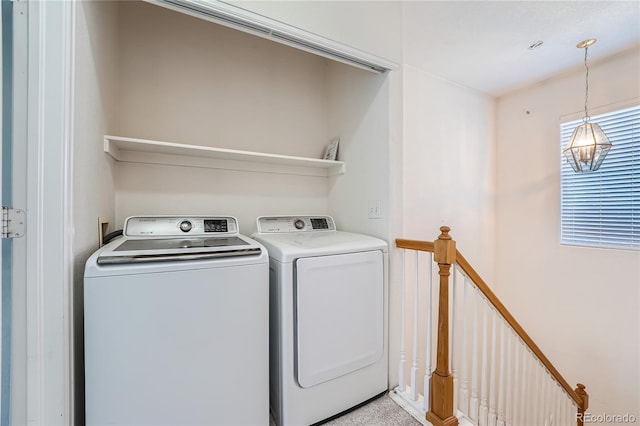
point(186, 226)
point(298, 223)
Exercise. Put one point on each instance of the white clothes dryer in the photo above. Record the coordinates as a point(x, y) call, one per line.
point(175, 320)
point(328, 317)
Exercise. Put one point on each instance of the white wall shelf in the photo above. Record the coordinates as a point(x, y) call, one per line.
point(175, 154)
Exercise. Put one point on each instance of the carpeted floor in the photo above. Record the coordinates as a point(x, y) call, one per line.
point(382, 411)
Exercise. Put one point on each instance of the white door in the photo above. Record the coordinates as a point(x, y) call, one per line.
point(339, 315)
point(5, 258)
point(37, 76)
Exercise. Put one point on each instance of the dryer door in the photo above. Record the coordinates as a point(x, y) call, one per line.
point(339, 315)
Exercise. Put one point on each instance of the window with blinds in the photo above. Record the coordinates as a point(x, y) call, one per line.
point(602, 208)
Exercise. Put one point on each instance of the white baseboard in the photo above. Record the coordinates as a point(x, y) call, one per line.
point(412, 408)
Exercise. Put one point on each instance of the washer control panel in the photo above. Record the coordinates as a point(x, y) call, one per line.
point(178, 226)
point(280, 224)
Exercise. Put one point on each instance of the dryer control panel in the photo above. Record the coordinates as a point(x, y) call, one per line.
point(287, 224)
point(179, 226)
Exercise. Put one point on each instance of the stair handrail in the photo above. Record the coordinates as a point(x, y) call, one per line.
point(579, 395)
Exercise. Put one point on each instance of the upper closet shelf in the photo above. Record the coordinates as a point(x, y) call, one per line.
point(175, 154)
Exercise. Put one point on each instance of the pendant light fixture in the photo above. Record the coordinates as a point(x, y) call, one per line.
point(588, 144)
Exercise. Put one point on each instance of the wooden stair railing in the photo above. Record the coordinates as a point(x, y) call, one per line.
point(441, 394)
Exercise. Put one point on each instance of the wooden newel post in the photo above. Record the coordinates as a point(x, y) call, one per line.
point(582, 393)
point(441, 396)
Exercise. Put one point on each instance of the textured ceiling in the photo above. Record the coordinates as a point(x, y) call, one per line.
point(484, 44)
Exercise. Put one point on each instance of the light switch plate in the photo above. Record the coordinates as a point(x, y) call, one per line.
point(373, 209)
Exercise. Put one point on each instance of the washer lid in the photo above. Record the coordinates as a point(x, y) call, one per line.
point(129, 251)
point(178, 244)
point(177, 238)
point(286, 247)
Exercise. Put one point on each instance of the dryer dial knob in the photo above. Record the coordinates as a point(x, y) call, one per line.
point(186, 226)
point(298, 223)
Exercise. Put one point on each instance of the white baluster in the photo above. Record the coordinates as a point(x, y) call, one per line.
point(464, 391)
point(493, 417)
point(546, 390)
point(503, 375)
point(526, 387)
point(553, 401)
point(533, 391)
point(545, 398)
point(557, 395)
point(473, 402)
point(427, 372)
point(572, 411)
point(413, 391)
point(557, 413)
point(452, 340)
point(509, 387)
point(563, 397)
point(484, 384)
point(552, 397)
point(535, 395)
point(563, 408)
point(403, 353)
point(539, 418)
point(517, 382)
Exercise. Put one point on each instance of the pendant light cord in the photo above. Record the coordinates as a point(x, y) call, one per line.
point(586, 85)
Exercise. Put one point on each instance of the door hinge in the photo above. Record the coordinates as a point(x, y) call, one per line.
point(13, 223)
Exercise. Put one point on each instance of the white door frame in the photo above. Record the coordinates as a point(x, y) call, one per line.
point(2, 88)
point(42, 374)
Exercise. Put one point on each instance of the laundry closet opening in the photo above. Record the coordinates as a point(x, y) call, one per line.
point(147, 72)
point(180, 79)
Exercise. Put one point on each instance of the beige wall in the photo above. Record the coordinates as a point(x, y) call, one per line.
point(449, 165)
point(186, 80)
point(95, 114)
point(581, 305)
point(358, 112)
point(93, 187)
point(448, 171)
point(448, 178)
point(371, 26)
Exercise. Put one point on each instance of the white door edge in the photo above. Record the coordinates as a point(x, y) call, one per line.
point(1, 167)
point(44, 377)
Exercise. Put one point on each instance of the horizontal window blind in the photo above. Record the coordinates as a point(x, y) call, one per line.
point(602, 208)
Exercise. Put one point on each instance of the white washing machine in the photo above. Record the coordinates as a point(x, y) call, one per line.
point(175, 320)
point(328, 317)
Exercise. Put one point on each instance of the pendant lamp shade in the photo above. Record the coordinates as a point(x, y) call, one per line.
point(587, 147)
